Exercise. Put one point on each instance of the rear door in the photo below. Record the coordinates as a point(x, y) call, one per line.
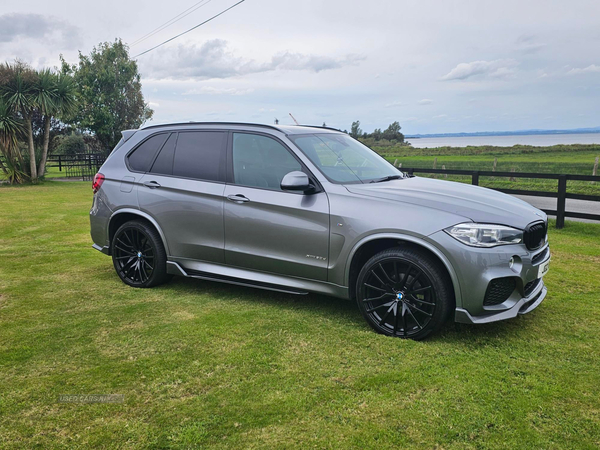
point(266, 228)
point(183, 191)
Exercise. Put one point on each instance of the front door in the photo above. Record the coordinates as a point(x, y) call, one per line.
point(266, 228)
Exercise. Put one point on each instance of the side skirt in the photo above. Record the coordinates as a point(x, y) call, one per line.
point(255, 279)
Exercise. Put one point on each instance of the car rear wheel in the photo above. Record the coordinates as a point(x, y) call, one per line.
point(139, 256)
point(404, 293)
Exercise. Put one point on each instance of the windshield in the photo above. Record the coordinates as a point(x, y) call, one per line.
point(345, 160)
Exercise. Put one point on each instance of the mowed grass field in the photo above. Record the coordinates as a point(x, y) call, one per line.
point(206, 365)
point(570, 159)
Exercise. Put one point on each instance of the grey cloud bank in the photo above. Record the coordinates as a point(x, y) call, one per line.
point(214, 59)
point(37, 26)
point(454, 66)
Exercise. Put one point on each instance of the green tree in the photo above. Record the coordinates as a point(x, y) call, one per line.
point(71, 144)
point(54, 95)
point(355, 130)
point(109, 92)
point(11, 129)
point(392, 133)
point(16, 87)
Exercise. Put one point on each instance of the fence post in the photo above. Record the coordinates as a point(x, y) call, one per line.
point(561, 202)
point(595, 171)
point(444, 168)
point(475, 178)
point(60, 163)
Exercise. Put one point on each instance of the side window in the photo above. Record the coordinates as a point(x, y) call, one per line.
point(260, 161)
point(142, 157)
point(164, 161)
point(200, 155)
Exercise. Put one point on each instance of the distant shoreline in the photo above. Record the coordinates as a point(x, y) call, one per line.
point(505, 133)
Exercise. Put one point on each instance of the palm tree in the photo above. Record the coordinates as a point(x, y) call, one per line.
point(17, 91)
point(11, 128)
point(55, 97)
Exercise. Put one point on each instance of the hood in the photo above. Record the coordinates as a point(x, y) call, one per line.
point(472, 202)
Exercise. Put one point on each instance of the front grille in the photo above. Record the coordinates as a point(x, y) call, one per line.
point(530, 287)
point(535, 235)
point(499, 290)
point(541, 256)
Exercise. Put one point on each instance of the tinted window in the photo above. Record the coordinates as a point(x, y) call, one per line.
point(199, 155)
point(260, 161)
point(164, 161)
point(142, 157)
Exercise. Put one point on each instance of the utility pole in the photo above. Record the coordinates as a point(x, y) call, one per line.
point(294, 119)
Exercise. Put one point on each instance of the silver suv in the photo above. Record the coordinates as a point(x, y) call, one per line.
point(308, 209)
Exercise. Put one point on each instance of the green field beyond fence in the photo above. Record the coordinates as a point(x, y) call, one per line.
point(566, 159)
point(573, 159)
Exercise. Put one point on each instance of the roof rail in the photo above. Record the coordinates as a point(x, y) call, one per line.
point(211, 123)
point(324, 128)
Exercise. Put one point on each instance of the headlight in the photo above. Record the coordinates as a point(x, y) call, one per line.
point(485, 235)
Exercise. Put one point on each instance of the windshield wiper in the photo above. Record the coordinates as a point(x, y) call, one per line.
point(388, 178)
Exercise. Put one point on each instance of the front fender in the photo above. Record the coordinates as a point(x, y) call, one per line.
point(412, 239)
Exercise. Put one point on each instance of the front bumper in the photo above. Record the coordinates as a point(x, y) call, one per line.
point(522, 306)
point(476, 267)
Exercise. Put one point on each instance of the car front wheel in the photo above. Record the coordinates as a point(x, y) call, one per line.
point(403, 292)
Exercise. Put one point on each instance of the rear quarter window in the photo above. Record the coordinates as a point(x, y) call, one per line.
point(142, 157)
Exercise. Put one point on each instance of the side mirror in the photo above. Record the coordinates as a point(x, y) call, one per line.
point(295, 181)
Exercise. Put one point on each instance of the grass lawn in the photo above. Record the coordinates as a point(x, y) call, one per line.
point(571, 159)
point(206, 365)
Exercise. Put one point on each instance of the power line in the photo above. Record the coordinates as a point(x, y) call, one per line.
point(168, 23)
point(193, 28)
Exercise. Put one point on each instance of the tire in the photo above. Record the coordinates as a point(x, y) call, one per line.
point(139, 256)
point(404, 292)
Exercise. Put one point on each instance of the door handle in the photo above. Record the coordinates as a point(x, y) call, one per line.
point(238, 198)
point(151, 184)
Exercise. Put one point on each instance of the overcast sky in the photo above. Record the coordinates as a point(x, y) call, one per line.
point(435, 66)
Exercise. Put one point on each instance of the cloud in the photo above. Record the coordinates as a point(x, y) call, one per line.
point(393, 104)
point(497, 69)
point(425, 101)
point(153, 105)
point(592, 68)
point(527, 43)
point(210, 90)
point(36, 26)
point(213, 59)
point(440, 116)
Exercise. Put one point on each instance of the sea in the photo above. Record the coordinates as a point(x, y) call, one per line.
point(506, 141)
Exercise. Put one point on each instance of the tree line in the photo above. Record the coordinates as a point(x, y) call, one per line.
point(391, 133)
point(80, 106)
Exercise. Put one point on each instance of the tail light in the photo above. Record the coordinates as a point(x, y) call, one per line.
point(98, 180)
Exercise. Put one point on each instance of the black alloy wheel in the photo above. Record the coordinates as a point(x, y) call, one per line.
point(404, 293)
point(138, 255)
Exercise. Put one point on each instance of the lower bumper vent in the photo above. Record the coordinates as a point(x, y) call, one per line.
point(530, 287)
point(499, 290)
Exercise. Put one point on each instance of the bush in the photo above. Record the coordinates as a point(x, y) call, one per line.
point(70, 145)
